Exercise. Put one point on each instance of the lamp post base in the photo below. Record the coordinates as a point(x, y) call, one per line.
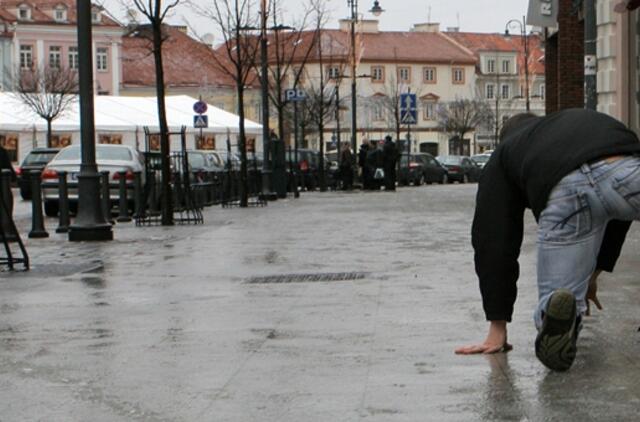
point(95, 233)
point(90, 224)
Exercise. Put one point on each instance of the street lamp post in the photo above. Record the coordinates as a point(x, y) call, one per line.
point(525, 40)
point(90, 222)
point(376, 10)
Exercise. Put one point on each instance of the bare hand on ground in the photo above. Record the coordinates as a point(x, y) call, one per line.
point(495, 342)
point(592, 293)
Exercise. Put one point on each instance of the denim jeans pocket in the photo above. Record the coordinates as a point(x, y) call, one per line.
point(565, 218)
point(627, 184)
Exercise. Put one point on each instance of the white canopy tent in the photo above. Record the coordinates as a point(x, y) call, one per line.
point(124, 117)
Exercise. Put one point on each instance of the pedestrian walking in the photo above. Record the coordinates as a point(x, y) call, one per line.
point(390, 159)
point(579, 172)
point(346, 167)
point(362, 162)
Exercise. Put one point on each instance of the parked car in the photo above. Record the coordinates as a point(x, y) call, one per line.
point(223, 158)
point(308, 162)
point(481, 159)
point(200, 163)
point(460, 168)
point(111, 158)
point(35, 160)
point(421, 168)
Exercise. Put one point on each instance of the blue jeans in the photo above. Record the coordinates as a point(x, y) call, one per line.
point(572, 226)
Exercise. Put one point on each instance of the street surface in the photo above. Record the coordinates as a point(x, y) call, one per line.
point(165, 325)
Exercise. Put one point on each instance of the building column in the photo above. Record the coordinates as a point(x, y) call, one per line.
point(115, 68)
point(40, 53)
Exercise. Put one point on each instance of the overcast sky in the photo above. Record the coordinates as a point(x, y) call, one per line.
point(399, 15)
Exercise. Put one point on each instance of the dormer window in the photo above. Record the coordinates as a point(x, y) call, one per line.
point(24, 12)
point(95, 16)
point(60, 14)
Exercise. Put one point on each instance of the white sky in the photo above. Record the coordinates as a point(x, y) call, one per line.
point(399, 15)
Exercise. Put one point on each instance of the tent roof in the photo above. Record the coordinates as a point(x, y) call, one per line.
point(122, 114)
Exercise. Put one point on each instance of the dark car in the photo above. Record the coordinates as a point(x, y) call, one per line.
point(481, 159)
point(461, 168)
point(36, 160)
point(421, 168)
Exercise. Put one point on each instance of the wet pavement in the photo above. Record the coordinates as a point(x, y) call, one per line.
point(211, 323)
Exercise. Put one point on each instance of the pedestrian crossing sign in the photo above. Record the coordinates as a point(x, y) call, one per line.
point(200, 121)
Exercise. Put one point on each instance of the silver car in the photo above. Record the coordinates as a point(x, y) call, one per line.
point(111, 158)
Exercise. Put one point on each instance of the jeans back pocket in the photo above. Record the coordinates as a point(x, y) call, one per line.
point(627, 184)
point(565, 218)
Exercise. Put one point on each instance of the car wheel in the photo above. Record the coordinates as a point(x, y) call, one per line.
point(465, 178)
point(25, 194)
point(445, 179)
point(51, 208)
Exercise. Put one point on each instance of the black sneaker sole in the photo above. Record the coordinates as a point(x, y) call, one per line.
point(556, 342)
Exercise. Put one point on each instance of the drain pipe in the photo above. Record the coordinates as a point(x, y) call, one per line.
point(590, 55)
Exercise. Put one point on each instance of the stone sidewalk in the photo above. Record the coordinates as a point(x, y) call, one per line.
point(186, 324)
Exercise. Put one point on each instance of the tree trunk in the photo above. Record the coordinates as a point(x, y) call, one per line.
point(49, 134)
point(167, 202)
point(244, 192)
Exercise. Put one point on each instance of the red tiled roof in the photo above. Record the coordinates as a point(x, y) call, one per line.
point(38, 15)
point(186, 61)
point(480, 42)
point(389, 46)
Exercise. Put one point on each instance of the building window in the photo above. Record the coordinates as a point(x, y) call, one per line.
point(404, 74)
point(24, 12)
point(55, 57)
point(377, 74)
point(26, 56)
point(60, 14)
point(490, 92)
point(429, 108)
point(429, 75)
point(491, 66)
point(542, 91)
point(95, 16)
point(333, 72)
point(73, 58)
point(458, 75)
point(506, 92)
point(378, 112)
point(101, 59)
point(506, 66)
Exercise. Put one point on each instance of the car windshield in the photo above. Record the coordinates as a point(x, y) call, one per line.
point(39, 157)
point(481, 158)
point(196, 160)
point(449, 159)
point(102, 153)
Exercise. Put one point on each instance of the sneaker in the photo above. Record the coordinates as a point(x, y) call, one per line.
point(556, 341)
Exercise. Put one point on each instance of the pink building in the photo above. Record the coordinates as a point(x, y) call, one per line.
point(44, 34)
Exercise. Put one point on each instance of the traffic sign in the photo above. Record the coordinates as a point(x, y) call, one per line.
point(200, 121)
point(200, 107)
point(408, 109)
point(294, 95)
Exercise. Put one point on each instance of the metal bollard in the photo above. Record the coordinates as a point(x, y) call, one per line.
point(105, 198)
point(137, 194)
point(7, 198)
point(37, 227)
point(123, 205)
point(63, 203)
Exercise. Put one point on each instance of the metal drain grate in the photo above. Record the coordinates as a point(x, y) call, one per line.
point(306, 278)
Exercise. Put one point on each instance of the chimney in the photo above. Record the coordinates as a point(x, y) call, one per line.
point(426, 27)
point(453, 29)
point(367, 26)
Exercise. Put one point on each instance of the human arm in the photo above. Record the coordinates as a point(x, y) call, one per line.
point(614, 237)
point(497, 236)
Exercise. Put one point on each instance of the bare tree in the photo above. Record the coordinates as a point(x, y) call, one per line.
point(291, 49)
point(236, 58)
point(155, 12)
point(462, 116)
point(48, 91)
